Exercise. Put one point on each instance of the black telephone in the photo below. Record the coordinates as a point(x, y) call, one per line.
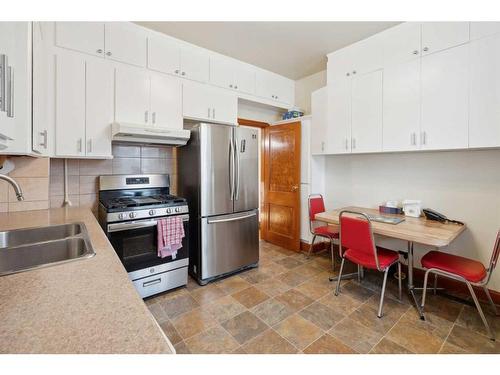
point(434, 215)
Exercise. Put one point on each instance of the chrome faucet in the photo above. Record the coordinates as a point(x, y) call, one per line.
point(15, 185)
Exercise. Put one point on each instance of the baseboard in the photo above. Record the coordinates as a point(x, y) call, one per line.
point(318, 246)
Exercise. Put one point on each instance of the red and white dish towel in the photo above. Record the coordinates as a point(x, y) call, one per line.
point(170, 235)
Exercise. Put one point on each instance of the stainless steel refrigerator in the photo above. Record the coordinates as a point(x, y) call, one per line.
point(218, 175)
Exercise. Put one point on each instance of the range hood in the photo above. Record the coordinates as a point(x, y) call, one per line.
point(148, 134)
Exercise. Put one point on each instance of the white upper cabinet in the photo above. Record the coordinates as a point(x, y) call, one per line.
point(204, 102)
point(166, 102)
point(338, 134)
point(481, 29)
point(366, 122)
point(484, 123)
point(367, 55)
point(445, 99)
point(194, 64)
point(70, 106)
point(232, 74)
point(339, 64)
point(275, 87)
point(99, 96)
point(164, 54)
point(87, 37)
point(437, 36)
point(401, 43)
point(401, 105)
point(132, 96)
point(126, 42)
point(319, 123)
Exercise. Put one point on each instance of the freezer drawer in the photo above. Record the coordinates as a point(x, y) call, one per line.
point(161, 282)
point(229, 242)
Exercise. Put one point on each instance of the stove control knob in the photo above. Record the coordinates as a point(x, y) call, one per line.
point(169, 210)
point(152, 212)
point(121, 216)
point(177, 209)
point(132, 215)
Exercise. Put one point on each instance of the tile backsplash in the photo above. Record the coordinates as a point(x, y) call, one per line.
point(42, 179)
point(128, 159)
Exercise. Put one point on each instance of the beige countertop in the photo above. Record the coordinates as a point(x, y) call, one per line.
point(84, 306)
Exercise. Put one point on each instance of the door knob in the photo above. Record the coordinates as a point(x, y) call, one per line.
point(295, 187)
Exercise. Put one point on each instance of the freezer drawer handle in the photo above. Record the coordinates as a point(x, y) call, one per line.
point(215, 221)
point(118, 227)
point(150, 283)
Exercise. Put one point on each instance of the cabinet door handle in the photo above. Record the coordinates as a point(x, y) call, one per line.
point(415, 52)
point(89, 146)
point(236, 87)
point(426, 49)
point(108, 53)
point(230, 86)
point(3, 81)
point(99, 51)
point(44, 135)
point(153, 117)
point(146, 116)
point(347, 144)
point(213, 113)
point(10, 92)
point(79, 145)
point(183, 73)
point(176, 71)
point(353, 143)
point(423, 138)
point(322, 146)
point(208, 113)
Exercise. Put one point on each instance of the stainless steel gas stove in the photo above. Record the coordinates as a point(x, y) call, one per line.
point(129, 210)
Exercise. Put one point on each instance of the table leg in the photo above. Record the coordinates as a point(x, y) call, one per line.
point(411, 287)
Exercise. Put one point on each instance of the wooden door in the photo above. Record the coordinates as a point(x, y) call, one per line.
point(281, 211)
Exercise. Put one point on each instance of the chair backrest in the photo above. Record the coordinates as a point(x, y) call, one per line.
point(495, 254)
point(356, 233)
point(316, 205)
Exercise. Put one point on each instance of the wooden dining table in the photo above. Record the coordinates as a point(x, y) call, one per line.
point(412, 230)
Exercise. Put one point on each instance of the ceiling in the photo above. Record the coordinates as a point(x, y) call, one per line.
point(292, 49)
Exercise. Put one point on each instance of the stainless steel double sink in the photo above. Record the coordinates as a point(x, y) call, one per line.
point(29, 248)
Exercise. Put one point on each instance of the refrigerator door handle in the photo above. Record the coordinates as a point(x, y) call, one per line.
point(215, 221)
point(237, 163)
point(231, 169)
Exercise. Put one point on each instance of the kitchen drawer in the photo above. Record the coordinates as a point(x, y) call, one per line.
point(161, 281)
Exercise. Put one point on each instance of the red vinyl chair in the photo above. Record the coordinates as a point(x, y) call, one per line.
point(358, 245)
point(471, 272)
point(316, 206)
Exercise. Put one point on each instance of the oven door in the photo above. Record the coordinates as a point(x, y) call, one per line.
point(136, 243)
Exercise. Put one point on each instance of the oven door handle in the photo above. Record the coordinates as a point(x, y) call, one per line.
point(118, 227)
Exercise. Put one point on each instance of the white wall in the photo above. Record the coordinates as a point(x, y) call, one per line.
point(258, 112)
point(305, 86)
point(463, 185)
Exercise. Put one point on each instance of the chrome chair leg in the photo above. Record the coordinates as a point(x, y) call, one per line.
point(359, 274)
point(332, 254)
point(400, 282)
point(435, 283)
point(493, 306)
point(381, 305)
point(337, 289)
point(311, 248)
point(480, 310)
point(424, 292)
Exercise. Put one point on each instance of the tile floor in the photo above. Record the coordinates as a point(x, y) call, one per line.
point(287, 305)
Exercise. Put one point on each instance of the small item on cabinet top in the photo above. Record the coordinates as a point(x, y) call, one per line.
point(390, 207)
point(412, 208)
point(292, 113)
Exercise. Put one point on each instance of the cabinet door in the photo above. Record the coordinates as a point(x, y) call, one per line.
point(99, 95)
point(126, 42)
point(481, 29)
point(196, 101)
point(339, 117)
point(70, 105)
point(194, 64)
point(437, 36)
point(87, 37)
point(367, 55)
point(339, 64)
point(244, 78)
point(164, 55)
point(401, 43)
point(222, 72)
point(132, 91)
point(284, 88)
point(401, 115)
point(366, 115)
point(264, 85)
point(224, 106)
point(319, 111)
point(445, 93)
point(484, 121)
point(166, 102)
